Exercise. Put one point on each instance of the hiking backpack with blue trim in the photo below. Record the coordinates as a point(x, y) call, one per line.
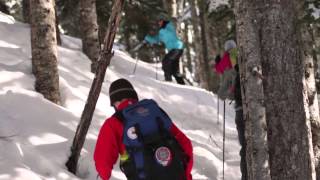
point(154, 154)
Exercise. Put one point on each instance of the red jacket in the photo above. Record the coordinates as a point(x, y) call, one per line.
point(224, 64)
point(109, 145)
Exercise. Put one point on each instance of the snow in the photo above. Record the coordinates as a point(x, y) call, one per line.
point(315, 11)
point(214, 4)
point(36, 135)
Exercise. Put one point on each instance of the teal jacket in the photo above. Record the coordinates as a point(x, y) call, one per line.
point(167, 36)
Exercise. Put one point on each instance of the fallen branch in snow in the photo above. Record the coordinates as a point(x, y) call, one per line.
point(104, 61)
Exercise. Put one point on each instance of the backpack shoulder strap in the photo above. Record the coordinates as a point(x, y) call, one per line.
point(165, 113)
point(119, 116)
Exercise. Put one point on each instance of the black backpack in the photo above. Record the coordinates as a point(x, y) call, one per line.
point(154, 154)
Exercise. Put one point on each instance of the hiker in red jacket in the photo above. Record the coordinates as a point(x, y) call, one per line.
point(225, 68)
point(110, 140)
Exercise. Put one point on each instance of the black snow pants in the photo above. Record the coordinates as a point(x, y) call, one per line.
point(241, 129)
point(170, 65)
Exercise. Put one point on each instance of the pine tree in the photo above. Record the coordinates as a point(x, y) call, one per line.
point(44, 49)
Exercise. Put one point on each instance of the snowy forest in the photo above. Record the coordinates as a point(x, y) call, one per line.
point(237, 81)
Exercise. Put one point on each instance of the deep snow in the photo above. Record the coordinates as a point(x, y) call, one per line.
point(35, 134)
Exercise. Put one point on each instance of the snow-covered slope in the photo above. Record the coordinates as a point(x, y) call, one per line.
point(35, 135)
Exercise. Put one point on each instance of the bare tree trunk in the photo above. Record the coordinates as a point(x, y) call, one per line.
point(104, 61)
point(314, 53)
point(314, 47)
point(127, 41)
point(89, 31)
point(167, 5)
point(268, 35)
point(200, 64)
point(188, 49)
point(174, 8)
point(312, 100)
point(57, 27)
point(289, 135)
point(206, 43)
point(203, 34)
point(44, 49)
point(313, 106)
point(252, 93)
point(26, 10)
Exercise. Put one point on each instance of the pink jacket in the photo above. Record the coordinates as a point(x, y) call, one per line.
point(224, 64)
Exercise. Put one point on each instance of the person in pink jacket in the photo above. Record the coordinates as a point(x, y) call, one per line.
point(224, 64)
point(225, 68)
point(110, 139)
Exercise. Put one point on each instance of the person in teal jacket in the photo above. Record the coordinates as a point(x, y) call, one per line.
point(168, 36)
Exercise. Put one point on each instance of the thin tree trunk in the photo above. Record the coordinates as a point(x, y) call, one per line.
point(200, 64)
point(57, 27)
point(174, 7)
point(26, 10)
point(104, 61)
point(126, 34)
point(312, 100)
point(313, 47)
point(127, 41)
point(188, 49)
point(252, 93)
point(167, 5)
point(89, 31)
point(44, 49)
point(203, 34)
point(206, 43)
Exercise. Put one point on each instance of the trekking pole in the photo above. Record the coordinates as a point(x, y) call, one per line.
point(154, 60)
point(135, 50)
point(157, 69)
point(224, 136)
point(218, 109)
point(135, 66)
point(138, 46)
